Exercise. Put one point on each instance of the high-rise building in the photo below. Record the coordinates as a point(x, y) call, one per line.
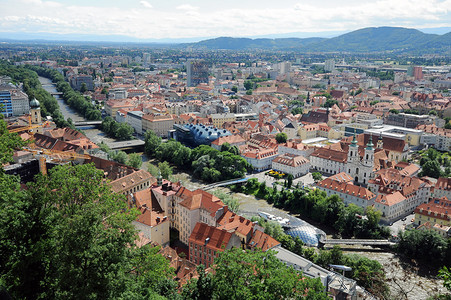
point(6, 106)
point(197, 72)
point(329, 65)
point(418, 73)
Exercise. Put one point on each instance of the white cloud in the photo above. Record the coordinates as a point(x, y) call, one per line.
point(191, 21)
point(187, 7)
point(145, 4)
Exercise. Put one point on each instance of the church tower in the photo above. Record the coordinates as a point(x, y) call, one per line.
point(368, 158)
point(35, 111)
point(353, 152)
point(380, 143)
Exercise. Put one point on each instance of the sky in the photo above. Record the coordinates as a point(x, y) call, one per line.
point(162, 19)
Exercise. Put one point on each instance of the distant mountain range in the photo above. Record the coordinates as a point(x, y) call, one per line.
point(372, 39)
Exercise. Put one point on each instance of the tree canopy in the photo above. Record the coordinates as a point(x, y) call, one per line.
point(256, 274)
point(74, 238)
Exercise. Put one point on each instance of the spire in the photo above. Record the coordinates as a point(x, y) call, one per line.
point(370, 144)
point(354, 141)
point(159, 178)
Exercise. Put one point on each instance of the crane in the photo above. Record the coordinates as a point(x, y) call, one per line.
point(30, 127)
point(44, 154)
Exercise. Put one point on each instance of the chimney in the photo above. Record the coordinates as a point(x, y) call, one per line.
point(206, 241)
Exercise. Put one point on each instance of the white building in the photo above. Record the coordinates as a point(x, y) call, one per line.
point(291, 164)
point(134, 119)
point(20, 103)
point(341, 185)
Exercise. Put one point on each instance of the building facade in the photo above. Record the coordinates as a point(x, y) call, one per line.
point(197, 72)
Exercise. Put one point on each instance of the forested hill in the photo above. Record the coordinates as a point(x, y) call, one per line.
point(373, 39)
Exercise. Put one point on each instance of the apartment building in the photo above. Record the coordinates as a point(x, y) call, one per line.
point(160, 124)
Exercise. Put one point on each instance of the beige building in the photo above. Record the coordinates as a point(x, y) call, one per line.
point(219, 119)
point(132, 183)
point(112, 106)
point(153, 222)
point(160, 124)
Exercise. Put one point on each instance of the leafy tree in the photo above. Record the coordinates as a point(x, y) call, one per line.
point(432, 169)
point(248, 85)
point(134, 160)
point(235, 89)
point(394, 111)
point(231, 202)
point(124, 132)
point(447, 125)
point(445, 274)
point(297, 111)
point(119, 156)
point(281, 137)
point(8, 143)
point(289, 180)
point(317, 176)
point(421, 244)
point(260, 275)
point(83, 88)
point(72, 235)
point(152, 141)
point(165, 169)
point(201, 288)
point(330, 103)
point(152, 169)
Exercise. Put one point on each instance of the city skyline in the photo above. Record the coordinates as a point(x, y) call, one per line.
point(146, 19)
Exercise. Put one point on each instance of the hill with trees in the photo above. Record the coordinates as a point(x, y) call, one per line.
point(372, 39)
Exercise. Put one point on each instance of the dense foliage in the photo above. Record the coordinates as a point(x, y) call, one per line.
point(249, 274)
point(435, 164)
point(205, 162)
point(426, 245)
point(114, 129)
point(33, 88)
point(316, 205)
point(69, 236)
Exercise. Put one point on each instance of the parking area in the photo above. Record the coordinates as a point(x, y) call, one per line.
point(401, 225)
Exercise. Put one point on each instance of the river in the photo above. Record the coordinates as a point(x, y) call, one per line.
point(94, 135)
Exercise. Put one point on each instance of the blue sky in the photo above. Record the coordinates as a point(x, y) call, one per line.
point(151, 19)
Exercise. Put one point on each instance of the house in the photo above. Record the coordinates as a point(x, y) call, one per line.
point(152, 221)
point(206, 242)
point(232, 140)
point(132, 183)
point(415, 190)
point(295, 165)
point(392, 206)
point(442, 188)
point(329, 161)
point(437, 211)
point(191, 207)
point(160, 124)
point(250, 234)
point(342, 185)
point(260, 159)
